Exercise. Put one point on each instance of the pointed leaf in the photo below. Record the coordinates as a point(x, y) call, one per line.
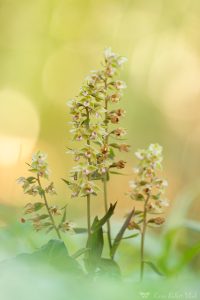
point(154, 268)
point(121, 233)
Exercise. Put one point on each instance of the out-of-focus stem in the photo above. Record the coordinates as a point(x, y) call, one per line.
point(88, 196)
point(143, 239)
point(48, 209)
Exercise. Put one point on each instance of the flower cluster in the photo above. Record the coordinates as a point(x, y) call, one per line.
point(148, 186)
point(90, 118)
point(41, 214)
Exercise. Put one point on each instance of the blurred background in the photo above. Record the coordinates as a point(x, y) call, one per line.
point(47, 47)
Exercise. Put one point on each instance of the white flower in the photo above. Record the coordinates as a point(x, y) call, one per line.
point(165, 183)
point(163, 203)
point(132, 184)
point(121, 60)
point(136, 170)
point(139, 155)
point(108, 53)
point(155, 149)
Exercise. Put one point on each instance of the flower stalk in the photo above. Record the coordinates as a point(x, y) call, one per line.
point(149, 189)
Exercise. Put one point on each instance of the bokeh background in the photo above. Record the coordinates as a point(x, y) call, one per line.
point(47, 47)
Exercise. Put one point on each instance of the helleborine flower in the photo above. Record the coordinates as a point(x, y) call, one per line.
point(124, 147)
point(121, 60)
point(115, 98)
point(139, 155)
point(120, 85)
point(120, 132)
point(108, 53)
point(39, 164)
point(155, 149)
point(163, 203)
point(132, 184)
point(165, 183)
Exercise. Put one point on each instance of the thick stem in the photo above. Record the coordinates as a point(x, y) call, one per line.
point(106, 175)
point(48, 209)
point(143, 239)
point(88, 215)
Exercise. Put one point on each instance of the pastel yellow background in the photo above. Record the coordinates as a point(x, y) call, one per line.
point(47, 48)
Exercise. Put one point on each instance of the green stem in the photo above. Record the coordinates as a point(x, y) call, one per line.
point(143, 239)
point(106, 209)
point(105, 179)
point(88, 216)
point(48, 209)
point(88, 196)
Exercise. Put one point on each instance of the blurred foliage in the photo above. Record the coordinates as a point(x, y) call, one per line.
point(46, 49)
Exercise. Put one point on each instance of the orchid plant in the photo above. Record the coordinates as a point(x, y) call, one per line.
point(91, 117)
point(148, 188)
point(42, 214)
point(96, 135)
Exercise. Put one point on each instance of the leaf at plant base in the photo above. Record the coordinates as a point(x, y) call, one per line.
point(95, 241)
point(153, 267)
point(95, 244)
point(53, 254)
point(109, 268)
point(80, 252)
point(120, 234)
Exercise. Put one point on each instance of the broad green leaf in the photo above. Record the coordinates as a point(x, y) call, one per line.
point(80, 252)
point(108, 268)
point(53, 254)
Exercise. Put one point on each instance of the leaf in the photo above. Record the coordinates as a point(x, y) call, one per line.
point(130, 236)
point(39, 217)
point(117, 173)
point(80, 230)
point(120, 234)
point(95, 241)
point(31, 179)
point(30, 208)
point(53, 254)
point(95, 244)
point(187, 256)
point(111, 154)
point(66, 181)
point(79, 252)
point(64, 214)
point(153, 266)
point(107, 216)
point(108, 267)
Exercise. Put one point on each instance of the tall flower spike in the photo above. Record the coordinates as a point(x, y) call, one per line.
point(90, 118)
point(149, 188)
point(112, 93)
